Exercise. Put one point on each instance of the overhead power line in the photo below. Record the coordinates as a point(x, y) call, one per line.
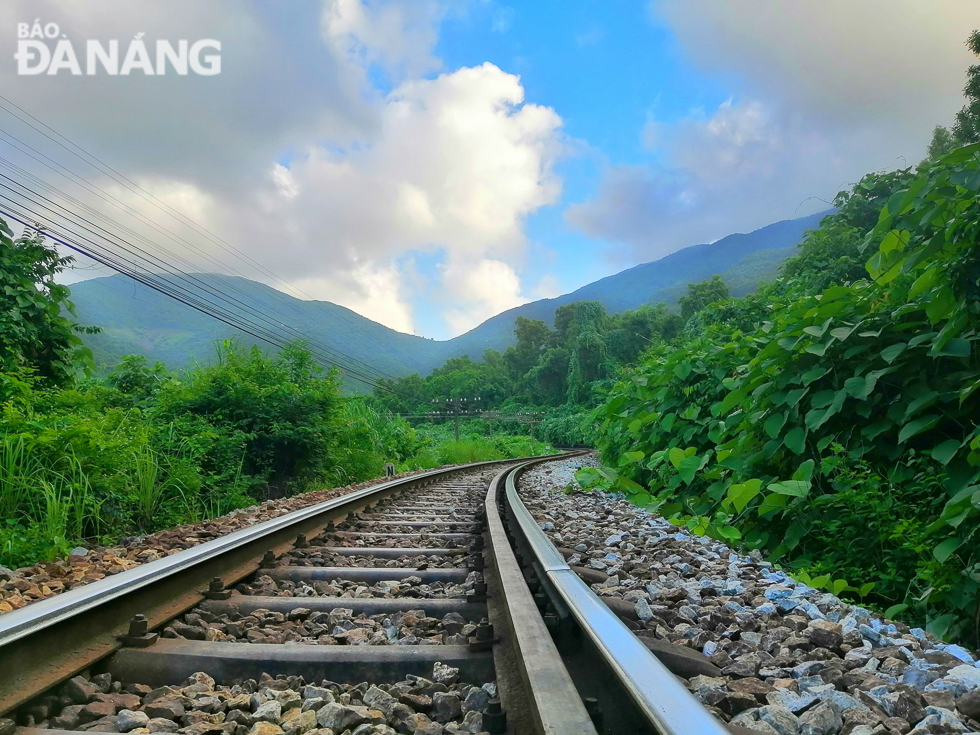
point(85, 230)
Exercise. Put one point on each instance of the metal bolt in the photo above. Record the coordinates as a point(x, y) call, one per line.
point(268, 560)
point(138, 625)
point(551, 621)
point(139, 635)
point(215, 585)
point(484, 631)
point(480, 588)
point(301, 542)
point(495, 719)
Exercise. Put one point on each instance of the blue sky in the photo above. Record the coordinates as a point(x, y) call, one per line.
point(430, 163)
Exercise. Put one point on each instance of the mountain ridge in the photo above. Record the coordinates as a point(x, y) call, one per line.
point(177, 335)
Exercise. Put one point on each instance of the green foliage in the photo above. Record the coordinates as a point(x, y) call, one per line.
point(34, 335)
point(567, 426)
point(699, 295)
point(145, 449)
point(831, 420)
point(545, 367)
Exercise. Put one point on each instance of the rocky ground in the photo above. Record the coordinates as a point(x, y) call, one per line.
point(321, 557)
point(20, 587)
point(792, 660)
point(410, 587)
point(337, 627)
point(440, 705)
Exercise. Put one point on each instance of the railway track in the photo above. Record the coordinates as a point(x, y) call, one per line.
point(431, 605)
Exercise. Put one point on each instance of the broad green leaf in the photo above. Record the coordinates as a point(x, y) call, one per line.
point(896, 610)
point(838, 586)
point(774, 424)
point(917, 426)
point(688, 468)
point(945, 550)
point(924, 282)
point(793, 536)
point(926, 399)
point(804, 471)
point(730, 532)
point(815, 374)
point(742, 493)
point(941, 304)
point(772, 503)
point(865, 588)
point(676, 456)
point(629, 486)
point(794, 396)
point(891, 353)
point(793, 488)
point(873, 430)
point(946, 451)
point(795, 440)
point(956, 347)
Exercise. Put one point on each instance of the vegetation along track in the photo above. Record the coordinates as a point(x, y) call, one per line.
point(469, 621)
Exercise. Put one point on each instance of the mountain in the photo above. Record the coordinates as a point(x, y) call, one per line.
point(743, 260)
point(137, 319)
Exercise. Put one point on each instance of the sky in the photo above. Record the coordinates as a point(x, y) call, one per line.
point(431, 163)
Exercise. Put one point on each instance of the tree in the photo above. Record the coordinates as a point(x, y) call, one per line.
point(966, 126)
point(533, 337)
point(699, 295)
point(34, 333)
point(631, 332)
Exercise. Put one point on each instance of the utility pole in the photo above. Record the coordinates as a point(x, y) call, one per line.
point(458, 408)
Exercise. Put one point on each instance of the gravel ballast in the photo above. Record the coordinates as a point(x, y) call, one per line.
point(792, 660)
point(336, 627)
point(438, 705)
point(409, 588)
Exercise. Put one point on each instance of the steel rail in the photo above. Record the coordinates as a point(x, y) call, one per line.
point(51, 640)
point(666, 704)
point(548, 691)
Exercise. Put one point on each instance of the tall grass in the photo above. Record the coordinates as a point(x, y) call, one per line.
point(54, 506)
point(18, 469)
point(148, 491)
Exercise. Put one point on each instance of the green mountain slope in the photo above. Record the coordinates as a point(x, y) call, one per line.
point(137, 319)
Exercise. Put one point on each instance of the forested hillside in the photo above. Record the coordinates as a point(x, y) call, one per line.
point(831, 419)
point(137, 319)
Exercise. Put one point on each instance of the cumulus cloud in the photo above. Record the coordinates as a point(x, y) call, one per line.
point(824, 92)
point(458, 165)
point(480, 290)
point(280, 85)
point(372, 291)
point(307, 169)
point(399, 36)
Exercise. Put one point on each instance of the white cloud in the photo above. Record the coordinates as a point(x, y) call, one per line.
point(480, 290)
point(849, 60)
point(458, 164)
point(397, 35)
point(825, 91)
point(297, 160)
point(374, 292)
point(547, 287)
